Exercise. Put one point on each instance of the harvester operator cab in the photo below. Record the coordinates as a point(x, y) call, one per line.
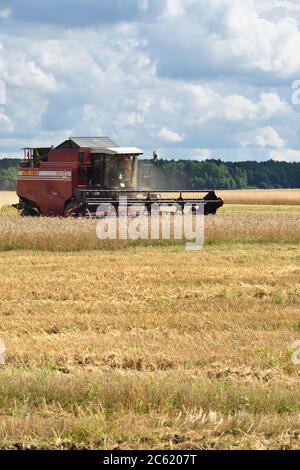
point(113, 172)
point(121, 172)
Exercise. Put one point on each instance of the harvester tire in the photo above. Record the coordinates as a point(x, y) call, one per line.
point(28, 212)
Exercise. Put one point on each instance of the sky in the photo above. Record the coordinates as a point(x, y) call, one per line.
point(190, 78)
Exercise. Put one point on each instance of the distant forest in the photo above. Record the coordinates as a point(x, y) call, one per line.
point(209, 174)
point(8, 173)
point(215, 174)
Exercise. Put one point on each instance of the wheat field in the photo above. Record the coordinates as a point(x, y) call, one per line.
point(277, 197)
point(119, 345)
point(7, 198)
point(261, 196)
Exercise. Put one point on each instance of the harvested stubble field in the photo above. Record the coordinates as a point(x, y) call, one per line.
point(134, 346)
point(80, 235)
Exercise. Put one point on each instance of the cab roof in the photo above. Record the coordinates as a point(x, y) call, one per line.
point(103, 145)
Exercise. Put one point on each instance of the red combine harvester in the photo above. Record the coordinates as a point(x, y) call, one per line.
point(82, 173)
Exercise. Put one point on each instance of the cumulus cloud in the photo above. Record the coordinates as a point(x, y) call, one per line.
point(5, 13)
point(201, 154)
point(174, 8)
point(22, 72)
point(277, 6)
point(5, 122)
point(143, 5)
point(229, 35)
point(235, 107)
point(287, 154)
point(148, 73)
point(265, 137)
point(2, 93)
point(168, 135)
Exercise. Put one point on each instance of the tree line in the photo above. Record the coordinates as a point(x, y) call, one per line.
point(191, 174)
point(215, 174)
point(8, 173)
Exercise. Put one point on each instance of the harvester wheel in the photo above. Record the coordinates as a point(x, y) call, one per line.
point(29, 212)
point(73, 209)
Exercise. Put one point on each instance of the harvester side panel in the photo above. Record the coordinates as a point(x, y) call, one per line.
point(47, 189)
point(69, 156)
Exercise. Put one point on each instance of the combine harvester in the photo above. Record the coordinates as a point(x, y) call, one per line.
point(81, 174)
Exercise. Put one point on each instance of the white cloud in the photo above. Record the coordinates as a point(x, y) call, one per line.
point(265, 137)
point(2, 93)
point(168, 135)
point(262, 44)
point(166, 105)
point(212, 105)
point(201, 154)
point(5, 123)
point(21, 71)
point(2, 67)
point(235, 35)
point(228, 55)
point(175, 8)
point(5, 13)
point(287, 154)
point(283, 5)
point(143, 5)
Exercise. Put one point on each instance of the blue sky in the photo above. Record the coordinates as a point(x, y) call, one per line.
point(191, 78)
